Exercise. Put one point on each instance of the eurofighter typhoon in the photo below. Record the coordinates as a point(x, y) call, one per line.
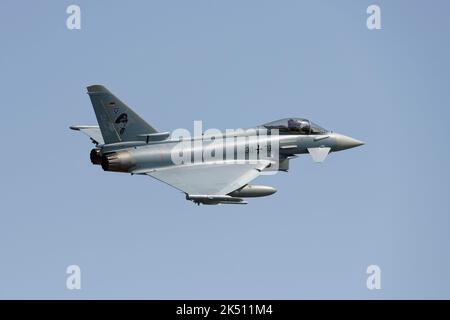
point(210, 167)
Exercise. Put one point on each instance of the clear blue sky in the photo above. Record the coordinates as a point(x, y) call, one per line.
point(231, 64)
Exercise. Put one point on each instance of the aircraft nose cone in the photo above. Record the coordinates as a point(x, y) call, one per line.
point(345, 142)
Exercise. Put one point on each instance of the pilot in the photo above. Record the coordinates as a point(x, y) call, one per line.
point(301, 126)
point(305, 127)
point(292, 125)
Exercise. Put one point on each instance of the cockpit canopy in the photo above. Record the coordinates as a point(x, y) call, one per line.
point(295, 126)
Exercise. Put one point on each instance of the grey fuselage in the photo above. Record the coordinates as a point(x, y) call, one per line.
point(142, 156)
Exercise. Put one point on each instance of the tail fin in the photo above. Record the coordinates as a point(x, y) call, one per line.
point(118, 123)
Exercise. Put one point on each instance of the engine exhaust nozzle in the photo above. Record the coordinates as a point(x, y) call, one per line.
point(121, 161)
point(96, 157)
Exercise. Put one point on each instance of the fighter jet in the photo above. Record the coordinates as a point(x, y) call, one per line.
point(208, 168)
